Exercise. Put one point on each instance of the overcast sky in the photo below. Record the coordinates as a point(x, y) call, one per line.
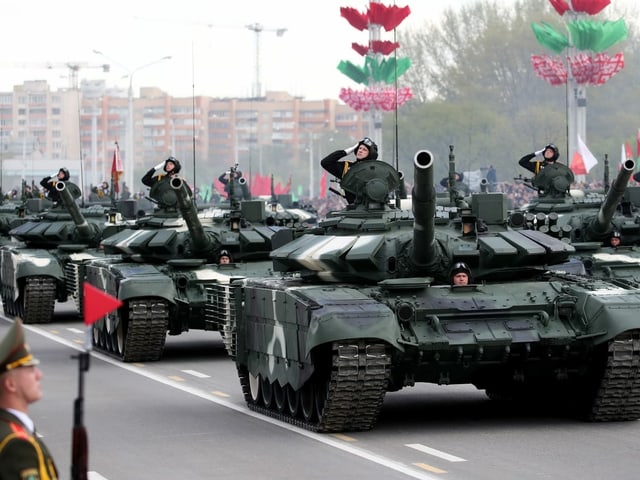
point(215, 60)
point(213, 53)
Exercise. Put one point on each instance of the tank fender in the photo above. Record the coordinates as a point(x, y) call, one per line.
point(608, 316)
point(160, 286)
point(37, 263)
point(365, 319)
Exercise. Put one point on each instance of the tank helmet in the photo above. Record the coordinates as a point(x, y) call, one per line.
point(459, 267)
point(371, 146)
point(224, 253)
point(65, 172)
point(615, 234)
point(176, 163)
point(556, 152)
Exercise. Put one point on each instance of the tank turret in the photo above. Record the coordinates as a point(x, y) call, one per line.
point(371, 241)
point(583, 219)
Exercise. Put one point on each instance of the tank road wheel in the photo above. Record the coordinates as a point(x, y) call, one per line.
point(254, 387)
point(307, 401)
point(293, 401)
point(120, 336)
point(38, 300)
point(18, 308)
point(267, 391)
point(96, 335)
point(7, 302)
point(279, 397)
point(321, 393)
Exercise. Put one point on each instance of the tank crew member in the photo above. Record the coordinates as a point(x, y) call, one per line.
point(337, 163)
point(615, 239)
point(460, 187)
point(165, 170)
point(551, 178)
point(224, 257)
point(238, 180)
point(22, 453)
point(460, 274)
point(49, 184)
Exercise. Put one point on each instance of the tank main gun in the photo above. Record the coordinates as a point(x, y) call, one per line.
point(68, 193)
point(600, 224)
point(423, 198)
point(200, 240)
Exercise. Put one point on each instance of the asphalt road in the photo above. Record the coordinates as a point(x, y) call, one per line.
point(184, 417)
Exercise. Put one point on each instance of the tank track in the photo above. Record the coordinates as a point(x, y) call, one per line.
point(145, 332)
point(355, 390)
point(38, 300)
point(617, 397)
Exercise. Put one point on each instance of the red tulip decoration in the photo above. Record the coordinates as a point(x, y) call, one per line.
point(378, 73)
point(589, 38)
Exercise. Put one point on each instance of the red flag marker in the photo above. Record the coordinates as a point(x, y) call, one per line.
point(97, 304)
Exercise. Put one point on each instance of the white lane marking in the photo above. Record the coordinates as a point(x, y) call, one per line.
point(434, 452)
point(409, 471)
point(75, 330)
point(195, 373)
point(95, 476)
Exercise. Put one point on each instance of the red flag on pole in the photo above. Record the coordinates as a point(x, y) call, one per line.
point(116, 169)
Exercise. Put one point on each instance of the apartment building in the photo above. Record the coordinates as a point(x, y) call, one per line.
point(276, 134)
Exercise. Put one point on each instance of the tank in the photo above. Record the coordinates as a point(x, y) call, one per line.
point(47, 265)
point(363, 306)
point(164, 269)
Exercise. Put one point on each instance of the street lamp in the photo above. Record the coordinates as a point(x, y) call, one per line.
point(128, 157)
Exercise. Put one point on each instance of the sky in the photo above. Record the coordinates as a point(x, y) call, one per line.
point(212, 51)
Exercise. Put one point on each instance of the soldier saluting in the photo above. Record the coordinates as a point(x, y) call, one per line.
point(551, 178)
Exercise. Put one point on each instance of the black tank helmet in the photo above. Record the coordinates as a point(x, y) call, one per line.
point(176, 162)
point(65, 171)
point(556, 152)
point(371, 146)
point(459, 267)
point(615, 234)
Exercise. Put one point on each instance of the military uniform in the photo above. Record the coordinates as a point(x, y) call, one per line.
point(22, 454)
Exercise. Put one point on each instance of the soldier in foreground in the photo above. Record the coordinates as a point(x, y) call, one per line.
point(22, 454)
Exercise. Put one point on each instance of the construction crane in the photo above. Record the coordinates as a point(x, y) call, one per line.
point(258, 28)
point(73, 67)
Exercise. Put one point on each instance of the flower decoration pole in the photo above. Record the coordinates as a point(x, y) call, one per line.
point(587, 62)
point(381, 70)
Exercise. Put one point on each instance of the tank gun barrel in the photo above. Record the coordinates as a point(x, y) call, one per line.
point(201, 241)
point(424, 207)
point(600, 224)
point(82, 225)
